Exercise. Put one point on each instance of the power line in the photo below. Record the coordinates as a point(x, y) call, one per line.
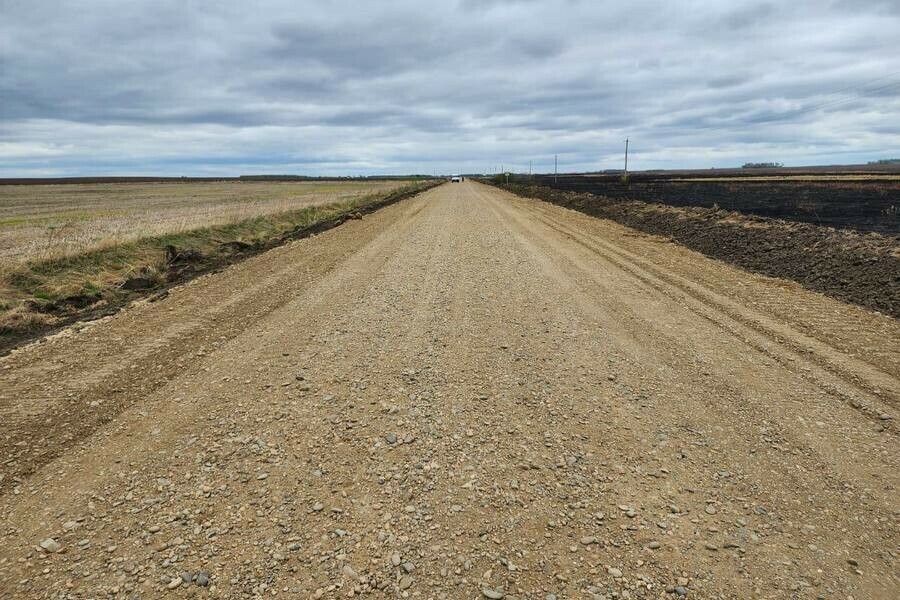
point(835, 102)
point(857, 85)
point(864, 93)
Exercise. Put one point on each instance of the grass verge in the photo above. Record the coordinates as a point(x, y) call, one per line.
point(38, 297)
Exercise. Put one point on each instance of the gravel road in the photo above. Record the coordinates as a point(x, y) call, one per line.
point(464, 395)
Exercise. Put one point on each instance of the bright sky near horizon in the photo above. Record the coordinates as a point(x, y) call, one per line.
point(101, 87)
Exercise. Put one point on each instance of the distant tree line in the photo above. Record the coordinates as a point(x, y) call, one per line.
point(762, 165)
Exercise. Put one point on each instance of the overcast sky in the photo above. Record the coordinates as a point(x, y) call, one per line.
point(331, 87)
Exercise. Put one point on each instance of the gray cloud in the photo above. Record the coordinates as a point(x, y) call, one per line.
point(344, 87)
point(749, 17)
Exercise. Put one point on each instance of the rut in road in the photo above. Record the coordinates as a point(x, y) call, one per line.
point(465, 394)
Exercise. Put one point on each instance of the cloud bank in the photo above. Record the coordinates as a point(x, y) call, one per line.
point(216, 88)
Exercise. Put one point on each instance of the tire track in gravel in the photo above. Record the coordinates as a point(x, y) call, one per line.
point(855, 374)
point(828, 323)
point(755, 380)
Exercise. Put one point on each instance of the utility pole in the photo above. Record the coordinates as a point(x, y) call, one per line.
point(626, 156)
point(555, 167)
point(529, 168)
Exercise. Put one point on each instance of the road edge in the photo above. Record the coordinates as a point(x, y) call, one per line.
point(188, 271)
point(860, 269)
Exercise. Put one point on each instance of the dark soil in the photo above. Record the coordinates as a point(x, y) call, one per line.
point(864, 204)
point(860, 268)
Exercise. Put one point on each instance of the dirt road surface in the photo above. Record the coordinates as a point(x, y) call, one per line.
point(464, 395)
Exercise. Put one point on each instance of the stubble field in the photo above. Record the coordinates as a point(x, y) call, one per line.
point(39, 222)
point(73, 251)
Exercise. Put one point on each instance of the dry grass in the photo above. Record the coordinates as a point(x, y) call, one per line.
point(42, 222)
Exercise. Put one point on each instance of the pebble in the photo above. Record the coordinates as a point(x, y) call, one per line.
point(318, 506)
point(390, 438)
point(202, 579)
point(614, 572)
point(680, 590)
point(653, 545)
point(405, 582)
point(711, 509)
point(50, 545)
point(395, 559)
point(588, 540)
point(174, 583)
point(186, 576)
point(493, 594)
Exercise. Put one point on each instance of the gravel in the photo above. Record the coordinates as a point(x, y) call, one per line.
point(523, 472)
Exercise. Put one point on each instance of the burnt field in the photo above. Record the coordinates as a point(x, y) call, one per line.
point(864, 202)
point(853, 266)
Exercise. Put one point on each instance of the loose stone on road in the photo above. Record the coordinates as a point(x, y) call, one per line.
point(464, 395)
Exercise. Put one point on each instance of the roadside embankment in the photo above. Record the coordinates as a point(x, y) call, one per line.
point(38, 297)
point(863, 269)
